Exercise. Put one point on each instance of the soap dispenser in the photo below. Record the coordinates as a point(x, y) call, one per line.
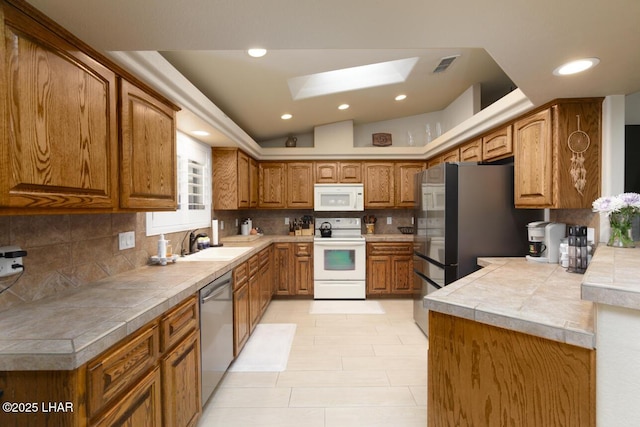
point(162, 248)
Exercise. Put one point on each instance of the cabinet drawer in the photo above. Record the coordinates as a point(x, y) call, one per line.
point(139, 406)
point(374, 249)
point(123, 365)
point(303, 249)
point(240, 275)
point(264, 257)
point(253, 265)
point(179, 322)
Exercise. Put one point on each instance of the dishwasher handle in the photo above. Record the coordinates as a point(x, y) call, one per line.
point(215, 288)
point(216, 292)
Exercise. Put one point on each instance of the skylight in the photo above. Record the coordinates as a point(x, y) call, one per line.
point(347, 79)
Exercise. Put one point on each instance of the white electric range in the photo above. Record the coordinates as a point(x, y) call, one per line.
point(339, 264)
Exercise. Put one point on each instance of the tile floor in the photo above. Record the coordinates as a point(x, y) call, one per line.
point(343, 370)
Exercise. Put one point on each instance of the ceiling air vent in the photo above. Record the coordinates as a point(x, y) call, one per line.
point(445, 63)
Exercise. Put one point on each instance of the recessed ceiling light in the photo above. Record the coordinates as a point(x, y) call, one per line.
point(401, 97)
point(257, 52)
point(200, 132)
point(577, 66)
point(286, 116)
point(343, 106)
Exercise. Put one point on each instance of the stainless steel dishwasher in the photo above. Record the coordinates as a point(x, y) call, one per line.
point(216, 332)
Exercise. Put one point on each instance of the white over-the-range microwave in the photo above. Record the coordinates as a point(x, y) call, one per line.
point(338, 197)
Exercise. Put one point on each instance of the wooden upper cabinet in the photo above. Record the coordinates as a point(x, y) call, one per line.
point(471, 151)
point(379, 186)
point(326, 172)
point(59, 124)
point(405, 173)
point(148, 170)
point(235, 179)
point(350, 172)
point(534, 160)
point(253, 183)
point(498, 144)
point(244, 190)
point(451, 156)
point(554, 169)
point(272, 184)
point(338, 172)
point(300, 185)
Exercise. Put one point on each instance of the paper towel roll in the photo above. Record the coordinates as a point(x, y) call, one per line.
point(214, 232)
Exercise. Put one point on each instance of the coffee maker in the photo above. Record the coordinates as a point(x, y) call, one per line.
point(544, 241)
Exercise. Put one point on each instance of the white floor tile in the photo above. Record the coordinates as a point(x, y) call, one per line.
point(343, 370)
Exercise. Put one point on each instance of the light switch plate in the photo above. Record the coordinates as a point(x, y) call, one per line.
point(389, 220)
point(126, 240)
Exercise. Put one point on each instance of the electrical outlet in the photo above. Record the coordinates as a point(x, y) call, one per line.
point(6, 264)
point(126, 240)
point(286, 220)
point(221, 225)
point(389, 220)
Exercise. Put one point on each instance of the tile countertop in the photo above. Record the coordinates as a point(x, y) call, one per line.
point(613, 277)
point(66, 330)
point(512, 293)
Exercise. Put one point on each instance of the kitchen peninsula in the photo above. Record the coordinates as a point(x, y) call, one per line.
point(515, 343)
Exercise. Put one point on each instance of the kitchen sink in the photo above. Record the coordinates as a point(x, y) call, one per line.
point(223, 253)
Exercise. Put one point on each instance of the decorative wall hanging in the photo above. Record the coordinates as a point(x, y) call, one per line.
point(578, 142)
point(381, 139)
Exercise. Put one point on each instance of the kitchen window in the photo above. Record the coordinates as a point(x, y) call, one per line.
point(194, 190)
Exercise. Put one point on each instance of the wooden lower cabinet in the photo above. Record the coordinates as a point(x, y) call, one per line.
point(293, 272)
point(143, 380)
point(241, 322)
point(140, 406)
point(282, 272)
point(265, 277)
point(303, 269)
point(181, 383)
point(482, 375)
point(390, 268)
point(255, 294)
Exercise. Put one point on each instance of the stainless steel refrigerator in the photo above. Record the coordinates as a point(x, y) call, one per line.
point(463, 211)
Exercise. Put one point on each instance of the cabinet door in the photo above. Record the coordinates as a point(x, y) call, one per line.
point(402, 274)
point(140, 406)
point(533, 165)
point(254, 294)
point(326, 172)
point(59, 122)
point(282, 268)
point(303, 276)
point(253, 183)
point(498, 144)
point(225, 178)
point(272, 185)
point(181, 404)
point(300, 185)
point(241, 323)
point(378, 273)
point(404, 182)
point(244, 190)
point(148, 159)
point(451, 156)
point(471, 151)
point(265, 278)
point(350, 172)
point(379, 190)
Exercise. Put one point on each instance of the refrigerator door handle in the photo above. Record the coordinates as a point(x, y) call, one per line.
point(433, 261)
point(426, 279)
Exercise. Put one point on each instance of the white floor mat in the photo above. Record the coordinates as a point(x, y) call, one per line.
point(267, 349)
point(346, 307)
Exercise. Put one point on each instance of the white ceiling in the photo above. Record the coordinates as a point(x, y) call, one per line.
point(206, 39)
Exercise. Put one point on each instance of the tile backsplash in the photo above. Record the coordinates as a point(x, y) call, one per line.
point(70, 251)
